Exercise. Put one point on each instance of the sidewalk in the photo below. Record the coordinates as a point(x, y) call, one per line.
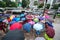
point(57, 29)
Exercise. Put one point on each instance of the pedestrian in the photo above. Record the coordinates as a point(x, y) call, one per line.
point(50, 32)
point(3, 27)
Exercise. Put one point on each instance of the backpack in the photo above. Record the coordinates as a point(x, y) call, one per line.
point(50, 32)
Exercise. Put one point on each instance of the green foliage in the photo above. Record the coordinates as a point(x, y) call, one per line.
point(10, 4)
point(48, 5)
point(6, 0)
point(55, 6)
point(35, 3)
point(59, 5)
point(25, 3)
point(2, 4)
point(58, 15)
point(40, 5)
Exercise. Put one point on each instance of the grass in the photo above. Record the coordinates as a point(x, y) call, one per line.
point(58, 15)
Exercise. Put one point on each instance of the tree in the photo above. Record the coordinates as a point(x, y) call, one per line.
point(35, 3)
point(40, 5)
point(55, 6)
point(6, 0)
point(25, 3)
point(10, 4)
point(48, 5)
point(2, 4)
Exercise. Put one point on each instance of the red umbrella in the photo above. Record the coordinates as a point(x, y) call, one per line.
point(16, 26)
point(29, 17)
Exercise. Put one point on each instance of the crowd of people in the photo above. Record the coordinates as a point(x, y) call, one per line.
point(27, 22)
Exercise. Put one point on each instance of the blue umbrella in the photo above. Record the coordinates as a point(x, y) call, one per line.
point(12, 22)
point(0, 14)
point(23, 19)
point(22, 15)
point(27, 27)
point(1, 19)
point(6, 15)
point(16, 19)
point(49, 24)
point(41, 18)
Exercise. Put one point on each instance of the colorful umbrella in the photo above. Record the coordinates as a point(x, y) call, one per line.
point(47, 38)
point(9, 20)
point(38, 26)
point(47, 16)
point(27, 27)
point(22, 15)
point(23, 19)
point(36, 20)
point(16, 19)
point(16, 26)
point(0, 14)
point(12, 16)
point(6, 15)
point(39, 38)
point(41, 18)
point(12, 22)
point(32, 22)
point(49, 24)
point(29, 17)
point(6, 21)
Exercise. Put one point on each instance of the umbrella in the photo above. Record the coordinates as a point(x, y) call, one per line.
point(6, 21)
point(29, 17)
point(38, 26)
point(47, 16)
point(1, 19)
point(47, 37)
point(49, 24)
point(27, 27)
point(12, 16)
point(22, 15)
point(9, 20)
point(0, 14)
point(36, 20)
point(14, 35)
point(32, 22)
point(16, 19)
point(39, 38)
point(6, 15)
point(16, 25)
point(12, 22)
point(41, 18)
point(23, 19)
point(50, 31)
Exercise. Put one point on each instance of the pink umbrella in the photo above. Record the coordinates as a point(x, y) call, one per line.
point(29, 17)
point(5, 20)
point(16, 26)
point(32, 22)
point(47, 16)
